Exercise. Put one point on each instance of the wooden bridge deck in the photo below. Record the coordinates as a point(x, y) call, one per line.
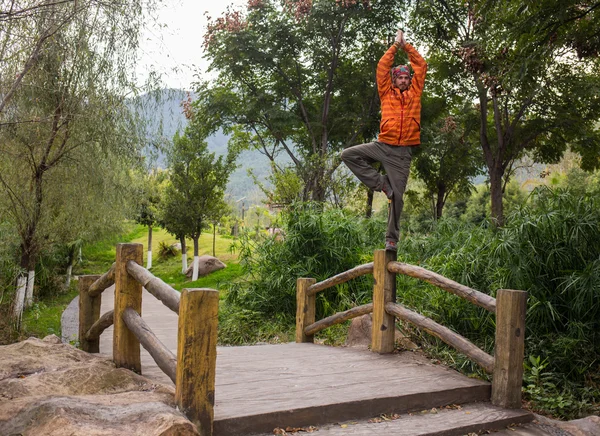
point(262, 387)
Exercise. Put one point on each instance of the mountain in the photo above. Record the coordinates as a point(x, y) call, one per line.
point(162, 112)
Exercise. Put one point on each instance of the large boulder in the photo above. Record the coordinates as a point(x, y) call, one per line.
point(206, 265)
point(359, 334)
point(51, 388)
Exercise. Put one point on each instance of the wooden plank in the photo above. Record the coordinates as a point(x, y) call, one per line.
point(338, 318)
point(161, 354)
point(128, 293)
point(197, 357)
point(445, 334)
point(104, 322)
point(455, 421)
point(509, 348)
point(475, 297)
point(358, 271)
point(89, 312)
point(383, 333)
point(305, 309)
point(103, 282)
point(165, 293)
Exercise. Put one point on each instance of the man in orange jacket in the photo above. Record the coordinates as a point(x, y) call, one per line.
point(399, 132)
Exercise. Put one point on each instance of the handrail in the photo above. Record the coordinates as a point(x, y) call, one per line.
point(358, 271)
point(105, 281)
point(337, 318)
point(445, 334)
point(475, 297)
point(159, 352)
point(163, 292)
point(104, 322)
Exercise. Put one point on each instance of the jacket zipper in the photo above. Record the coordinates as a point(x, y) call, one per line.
point(401, 117)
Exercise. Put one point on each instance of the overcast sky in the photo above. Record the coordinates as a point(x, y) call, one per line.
point(174, 50)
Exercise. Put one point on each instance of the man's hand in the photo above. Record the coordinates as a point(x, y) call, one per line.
point(400, 38)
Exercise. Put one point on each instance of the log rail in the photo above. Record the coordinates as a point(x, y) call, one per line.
point(507, 363)
point(193, 369)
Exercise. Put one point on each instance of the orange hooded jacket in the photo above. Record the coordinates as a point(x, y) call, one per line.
point(400, 111)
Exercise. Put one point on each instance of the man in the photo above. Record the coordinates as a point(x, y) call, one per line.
point(399, 132)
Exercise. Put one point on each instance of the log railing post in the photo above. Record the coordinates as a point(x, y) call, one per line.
point(128, 293)
point(384, 291)
point(509, 352)
point(305, 309)
point(197, 356)
point(89, 313)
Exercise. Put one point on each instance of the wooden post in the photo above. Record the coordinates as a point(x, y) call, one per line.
point(89, 313)
point(511, 307)
point(128, 293)
point(383, 333)
point(197, 356)
point(305, 309)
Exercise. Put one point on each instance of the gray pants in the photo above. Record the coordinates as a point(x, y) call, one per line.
point(395, 161)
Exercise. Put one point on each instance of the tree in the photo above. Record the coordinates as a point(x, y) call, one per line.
point(297, 78)
point(67, 103)
point(449, 156)
point(196, 189)
point(532, 98)
point(149, 203)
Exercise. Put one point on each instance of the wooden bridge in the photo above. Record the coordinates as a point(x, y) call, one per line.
point(255, 389)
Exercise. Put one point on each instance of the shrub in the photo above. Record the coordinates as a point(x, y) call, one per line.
point(166, 250)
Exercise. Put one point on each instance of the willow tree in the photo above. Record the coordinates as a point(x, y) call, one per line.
point(533, 97)
point(297, 77)
point(67, 104)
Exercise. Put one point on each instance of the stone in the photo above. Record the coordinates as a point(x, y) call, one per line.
point(359, 334)
point(206, 265)
point(51, 388)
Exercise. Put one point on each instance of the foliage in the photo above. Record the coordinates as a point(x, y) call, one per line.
point(317, 243)
point(166, 250)
point(297, 78)
point(531, 97)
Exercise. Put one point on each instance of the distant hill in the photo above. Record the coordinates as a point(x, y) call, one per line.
point(163, 113)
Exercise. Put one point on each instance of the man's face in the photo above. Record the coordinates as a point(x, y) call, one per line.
point(402, 82)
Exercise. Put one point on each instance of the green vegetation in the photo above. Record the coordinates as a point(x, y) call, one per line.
point(43, 317)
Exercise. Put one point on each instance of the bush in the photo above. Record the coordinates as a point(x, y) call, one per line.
point(166, 250)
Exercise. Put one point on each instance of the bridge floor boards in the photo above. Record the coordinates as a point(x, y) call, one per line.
point(262, 387)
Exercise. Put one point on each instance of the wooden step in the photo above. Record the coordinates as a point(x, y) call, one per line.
point(263, 387)
point(456, 420)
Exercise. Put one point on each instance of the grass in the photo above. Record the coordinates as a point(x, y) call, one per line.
point(43, 317)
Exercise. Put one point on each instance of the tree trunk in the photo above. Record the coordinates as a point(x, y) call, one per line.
point(69, 272)
point(149, 259)
point(183, 255)
point(195, 270)
point(20, 300)
point(369, 207)
point(214, 237)
point(30, 283)
point(496, 195)
point(440, 201)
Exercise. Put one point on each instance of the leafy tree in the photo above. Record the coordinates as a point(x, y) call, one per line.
point(66, 105)
point(297, 77)
point(532, 98)
point(196, 189)
point(149, 199)
point(449, 156)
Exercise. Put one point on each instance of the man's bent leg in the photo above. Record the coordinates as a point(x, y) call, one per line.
point(359, 159)
point(397, 167)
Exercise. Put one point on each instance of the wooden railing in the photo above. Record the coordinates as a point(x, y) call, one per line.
point(507, 363)
point(193, 369)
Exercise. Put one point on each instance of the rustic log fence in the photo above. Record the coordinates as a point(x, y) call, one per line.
point(193, 369)
point(506, 365)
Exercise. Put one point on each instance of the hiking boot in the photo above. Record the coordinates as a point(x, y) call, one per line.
point(391, 246)
point(386, 188)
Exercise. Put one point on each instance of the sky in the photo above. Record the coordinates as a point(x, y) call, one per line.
point(173, 47)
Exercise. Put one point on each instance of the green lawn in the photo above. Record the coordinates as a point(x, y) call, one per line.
point(43, 318)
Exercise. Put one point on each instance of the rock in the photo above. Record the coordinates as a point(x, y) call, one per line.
point(51, 388)
point(206, 265)
point(359, 334)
